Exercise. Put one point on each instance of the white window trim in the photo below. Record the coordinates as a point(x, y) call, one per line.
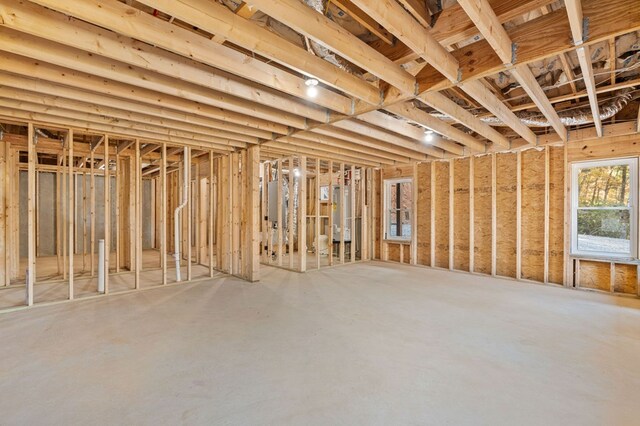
point(632, 162)
point(387, 201)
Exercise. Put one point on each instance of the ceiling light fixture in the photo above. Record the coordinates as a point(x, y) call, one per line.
point(296, 172)
point(428, 135)
point(312, 87)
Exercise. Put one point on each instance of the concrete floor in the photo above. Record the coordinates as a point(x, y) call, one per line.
point(364, 344)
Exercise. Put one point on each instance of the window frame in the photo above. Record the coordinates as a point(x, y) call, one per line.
point(387, 209)
point(632, 162)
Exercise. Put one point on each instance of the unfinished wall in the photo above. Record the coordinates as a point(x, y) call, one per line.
point(423, 215)
point(461, 214)
point(482, 214)
point(484, 196)
point(506, 214)
point(556, 215)
point(441, 206)
point(533, 214)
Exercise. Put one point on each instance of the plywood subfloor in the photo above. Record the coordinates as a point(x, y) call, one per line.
point(374, 343)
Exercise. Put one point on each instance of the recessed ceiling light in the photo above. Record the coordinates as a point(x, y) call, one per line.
point(312, 87)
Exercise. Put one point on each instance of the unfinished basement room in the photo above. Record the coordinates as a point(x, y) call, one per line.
point(320, 212)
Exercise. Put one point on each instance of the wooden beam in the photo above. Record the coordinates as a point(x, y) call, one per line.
point(401, 24)
point(447, 106)
point(39, 71)
point(41, 22)
point(483, 95)
point(401, 127)
point(219, 20)
point(393, 17)
point(107, 214)
point(607, 18)
point(419, 10)
point(72, 214)
point(318, 27)
point(373, 132)
point(363, 19)
point(148, 75)
point(412, 113)
point(31, 215)
point(488, 23)
point(453, 26)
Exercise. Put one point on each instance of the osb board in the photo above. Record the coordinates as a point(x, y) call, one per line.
point(423, 215)
point(397, 172)
point(626, 279)
point(394, 252)
point(442, 214)
point(533, 183)
point(556, 215)
point(461, 214)
point(595, 275)
point(482, 214)
point(506, 214)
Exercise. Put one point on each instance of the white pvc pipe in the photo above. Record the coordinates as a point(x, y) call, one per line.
point(176, 214)
point(100, 266)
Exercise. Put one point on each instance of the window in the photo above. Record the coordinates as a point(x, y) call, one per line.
point(604, 208)
point(398, 203)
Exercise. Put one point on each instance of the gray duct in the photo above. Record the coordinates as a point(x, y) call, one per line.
point(571, 117)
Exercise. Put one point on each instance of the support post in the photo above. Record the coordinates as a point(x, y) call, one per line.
point(72, 215)
point(31, 214)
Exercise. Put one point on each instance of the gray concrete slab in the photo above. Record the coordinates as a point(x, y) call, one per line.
point(364, 344)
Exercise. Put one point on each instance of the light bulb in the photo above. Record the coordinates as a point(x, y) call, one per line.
point(296, 172)
point(312, 89)
point(428, 135)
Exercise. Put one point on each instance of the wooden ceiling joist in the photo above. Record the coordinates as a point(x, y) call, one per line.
point(323, 30)
point(365, 20)
point(64, 76)
point(362, 128)
point(540, 38)
point(423, 118)
point(403, 128)
point(375, 148)
point(453, 26)
point(393, 17)
point(152, 131)
point(456, 112)
point(96, 128)
point(99, 100)
point(576, 22)
point(231, 93)
point(490, 27)
point(117, 115)
point(144, 27)
point(217, 19)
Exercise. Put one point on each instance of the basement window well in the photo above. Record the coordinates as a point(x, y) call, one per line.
point(604, 208)
point(398, 198)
